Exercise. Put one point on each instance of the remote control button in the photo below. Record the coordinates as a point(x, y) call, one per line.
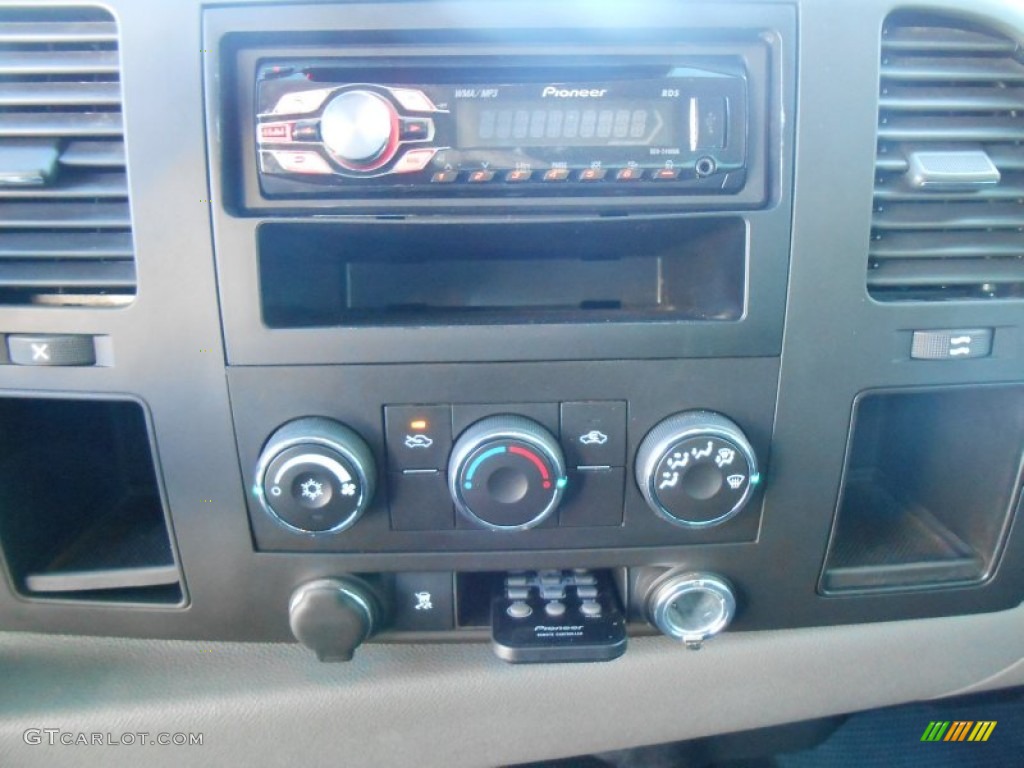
point(517, 593)
point(586, 593)
point(516, 581)
point(590, 608)
point(519, 610)
point(555, 609)
point(587, 579)
point(552, 592)
point(550, 578)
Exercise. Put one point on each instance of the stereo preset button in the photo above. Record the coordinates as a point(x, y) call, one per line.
point(665, 174)
point(301, 162)
point(444, 177)
point(629, 174)
point(556, 174)
point(480, 177)
point(518, 176)
point(593, 174)
point(414, 160)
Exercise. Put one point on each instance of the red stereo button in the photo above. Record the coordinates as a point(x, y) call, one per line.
point(275, 132)
point(414, 101)
point(479, 177)
point(444, 177)
point(556, 174)
point(414, 160)
point(302, 162)
point(592, 174)
point(629, 174)
point(518, 176)
point(665, 174)
point(416, 129)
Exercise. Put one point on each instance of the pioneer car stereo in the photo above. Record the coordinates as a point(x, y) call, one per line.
point(343, 127)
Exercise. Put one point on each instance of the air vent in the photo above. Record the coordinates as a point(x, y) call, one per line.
point(949, 189)
point(65, 225)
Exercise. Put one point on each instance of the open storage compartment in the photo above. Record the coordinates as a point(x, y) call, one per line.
point(81, 515)
point(931, 481)
point(414, 272)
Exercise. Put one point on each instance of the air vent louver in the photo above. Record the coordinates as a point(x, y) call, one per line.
point(65, 225)
point(952, 93)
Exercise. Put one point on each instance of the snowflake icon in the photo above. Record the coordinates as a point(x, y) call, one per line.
point(348, 489)
point(312, 490)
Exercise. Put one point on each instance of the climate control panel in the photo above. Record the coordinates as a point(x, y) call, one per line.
point(370, 460)
point(506, 472)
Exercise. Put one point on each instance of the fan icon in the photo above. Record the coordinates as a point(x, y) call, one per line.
point(348, 489)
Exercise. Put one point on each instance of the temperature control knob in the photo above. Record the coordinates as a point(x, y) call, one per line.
point(506, 473)
point(360, 128)
point(696, 469)
point(315, 475)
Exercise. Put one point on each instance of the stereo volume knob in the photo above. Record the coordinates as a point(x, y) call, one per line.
point(696, 469)
point(315, 475)
point(506, 473)
point(360, 128)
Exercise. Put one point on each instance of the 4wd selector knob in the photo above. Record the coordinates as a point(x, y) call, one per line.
point(315, 475)
point(696, 469)
point(506, 473)
point(360, 128)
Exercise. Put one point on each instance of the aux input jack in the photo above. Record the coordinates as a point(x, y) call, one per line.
point(705, 166)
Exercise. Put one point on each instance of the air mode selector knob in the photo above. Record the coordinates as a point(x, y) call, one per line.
point(360, 129)
point(315, 475)
point(506, 473)
point(696, 469)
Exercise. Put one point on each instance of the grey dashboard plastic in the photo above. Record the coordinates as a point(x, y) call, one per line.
point(457, 705)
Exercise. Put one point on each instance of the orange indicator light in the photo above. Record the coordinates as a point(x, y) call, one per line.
point(418, 424)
